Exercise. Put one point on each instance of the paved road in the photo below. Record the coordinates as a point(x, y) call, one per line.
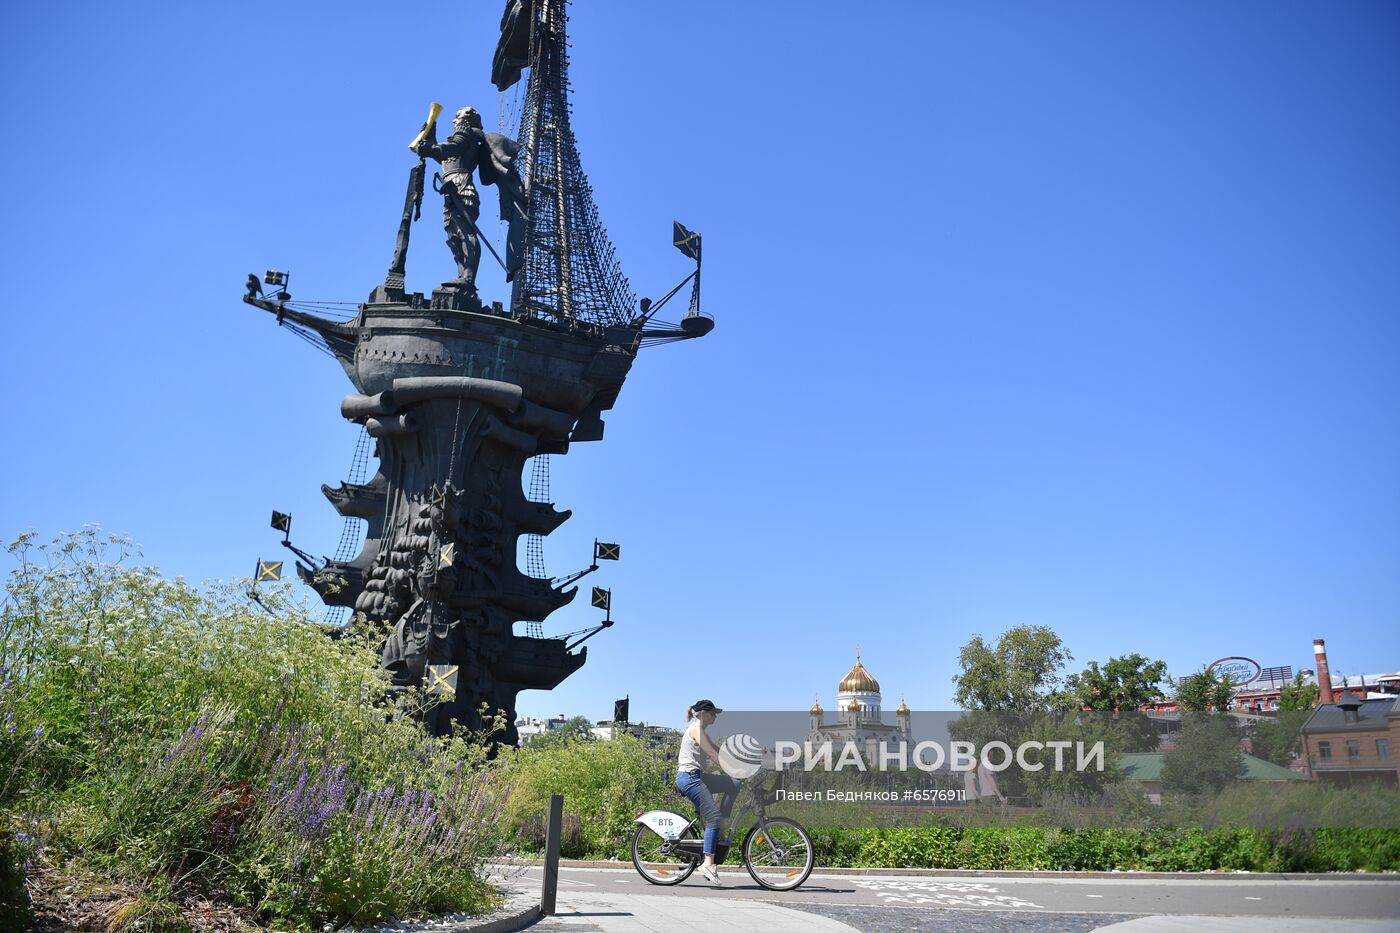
point(620, 901)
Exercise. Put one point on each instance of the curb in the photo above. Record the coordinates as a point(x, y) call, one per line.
point(520, 910)
point(1002, 873)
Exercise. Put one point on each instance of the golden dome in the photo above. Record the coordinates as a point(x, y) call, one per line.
point(816, 707)
point(903, 707)
point(859, 680)
point(853, 706)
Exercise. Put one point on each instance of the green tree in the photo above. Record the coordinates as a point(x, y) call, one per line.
point(1021, 673)
point(1276, 739)
point(574, 729)
point(1007, 687)
point(1205, 692)
point(1298, 696)
point(1117, 692)
point(1207, 757)
point(1071, 784)
point(1127, 683)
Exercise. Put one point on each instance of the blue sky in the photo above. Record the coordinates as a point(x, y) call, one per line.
point(1079, 314)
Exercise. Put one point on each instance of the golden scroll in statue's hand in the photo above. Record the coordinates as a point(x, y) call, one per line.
point(429, 127)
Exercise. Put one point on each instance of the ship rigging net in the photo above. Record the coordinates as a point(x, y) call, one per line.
point(570, 271)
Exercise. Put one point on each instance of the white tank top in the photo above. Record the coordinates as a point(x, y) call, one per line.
point(692, 757)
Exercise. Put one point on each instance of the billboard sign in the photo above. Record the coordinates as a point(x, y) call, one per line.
point(1241, 671)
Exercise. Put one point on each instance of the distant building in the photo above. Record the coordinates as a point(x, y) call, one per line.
point(528, 728)
point(607, 729)
point(1261, 696)
point(1145, 770)
point(604, 730)
point(858, 717)
point(1353, 740)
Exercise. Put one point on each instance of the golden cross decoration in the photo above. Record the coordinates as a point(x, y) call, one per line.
point(443, 679)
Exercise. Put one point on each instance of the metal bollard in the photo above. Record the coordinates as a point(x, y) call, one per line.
point(553, 828)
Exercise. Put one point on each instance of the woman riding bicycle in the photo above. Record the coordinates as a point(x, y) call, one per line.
point(691, 779)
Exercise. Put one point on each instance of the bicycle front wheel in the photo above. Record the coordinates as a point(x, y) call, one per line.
point(778, 854)
point(656, 861)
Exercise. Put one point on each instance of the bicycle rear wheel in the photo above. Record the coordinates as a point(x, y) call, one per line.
point(659, 862)
point(779, 854)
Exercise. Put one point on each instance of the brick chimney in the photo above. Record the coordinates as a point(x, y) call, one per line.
point(1324, 676)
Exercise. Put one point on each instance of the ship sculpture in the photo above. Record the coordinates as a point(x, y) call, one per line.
point(455, 398)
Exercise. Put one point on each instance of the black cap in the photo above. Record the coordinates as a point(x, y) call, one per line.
point(705, 706)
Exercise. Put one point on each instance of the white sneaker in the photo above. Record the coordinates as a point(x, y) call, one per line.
point(710, 874)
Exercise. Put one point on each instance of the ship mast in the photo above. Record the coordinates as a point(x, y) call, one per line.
point(569, 271)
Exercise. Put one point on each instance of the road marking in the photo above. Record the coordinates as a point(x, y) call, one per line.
point(941, 893)
point(1093, 895)
point(1248, 898)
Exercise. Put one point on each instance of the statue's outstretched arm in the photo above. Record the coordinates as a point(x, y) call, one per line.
point(458, 144)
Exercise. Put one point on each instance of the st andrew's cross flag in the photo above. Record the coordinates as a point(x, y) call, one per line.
point(686, 242)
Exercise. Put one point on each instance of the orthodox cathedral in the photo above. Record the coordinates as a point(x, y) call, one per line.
point(858, 716)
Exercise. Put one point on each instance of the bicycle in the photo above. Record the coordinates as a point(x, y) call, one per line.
point(777, 851)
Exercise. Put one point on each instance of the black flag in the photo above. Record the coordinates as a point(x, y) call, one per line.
point(281, 522)
point(603, 551)
point(620, 710)
point(686, 242)
point(513, 48)
point(602, 599)
point(268, 570)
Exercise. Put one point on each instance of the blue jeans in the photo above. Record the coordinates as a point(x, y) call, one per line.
point(697, 785)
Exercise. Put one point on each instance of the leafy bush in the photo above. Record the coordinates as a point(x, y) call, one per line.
point(182, 736)
point(1301, 804)
point(1291, 827)
point(15, 911)
point(1037, 848)
point(1207, 757)
point(605, 785)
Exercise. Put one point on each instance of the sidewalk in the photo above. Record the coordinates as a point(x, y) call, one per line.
point(580, 910)
point(1248, 925)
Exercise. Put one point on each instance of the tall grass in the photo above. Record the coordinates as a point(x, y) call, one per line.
point(184, 739)
point(604, 785)
point(1300, 826)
